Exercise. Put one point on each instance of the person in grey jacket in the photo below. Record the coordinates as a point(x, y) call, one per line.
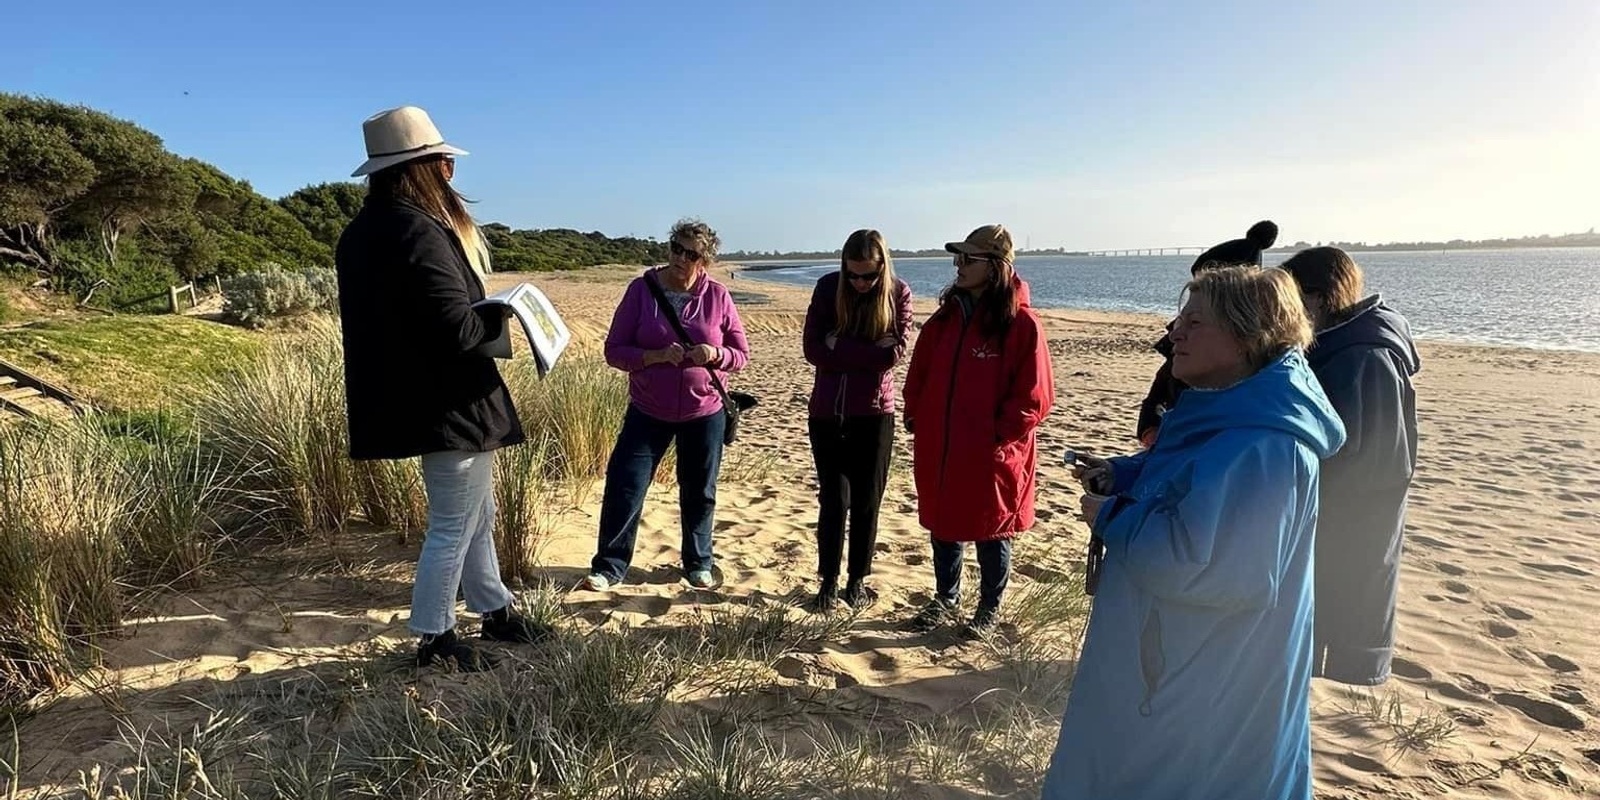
point(1364, 358)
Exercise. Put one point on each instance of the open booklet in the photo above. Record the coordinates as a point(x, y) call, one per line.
point(543, 326)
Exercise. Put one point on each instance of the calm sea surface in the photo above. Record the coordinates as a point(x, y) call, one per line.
point(1544, 298)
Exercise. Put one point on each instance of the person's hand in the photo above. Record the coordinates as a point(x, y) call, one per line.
point(888, 341)
point(832, 340)
point(1094, 474)
point(702, 354)
point(1089, 506)
point(671, 354)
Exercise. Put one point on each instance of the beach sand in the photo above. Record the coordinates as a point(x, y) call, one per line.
point(1499, 628)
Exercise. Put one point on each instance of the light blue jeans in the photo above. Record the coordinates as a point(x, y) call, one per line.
point(458, 552)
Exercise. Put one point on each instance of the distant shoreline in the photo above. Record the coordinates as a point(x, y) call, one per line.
point(790, 261)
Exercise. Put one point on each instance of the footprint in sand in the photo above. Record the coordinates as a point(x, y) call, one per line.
point(1429, 541)
point(1471, 684)
point(1514, 613)
point(1561, 569)
point(1592, 755)
point(1448, 568)
point(1409, 669)
point(1467, 717)
point(1434, 598)
point(1450, 691)
point(1500, 630)
point(1569, 694)
point(1542, 711)
point(1456, 587)
point(1360, 762)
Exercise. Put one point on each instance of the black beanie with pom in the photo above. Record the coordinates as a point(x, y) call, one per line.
point(1240, 251)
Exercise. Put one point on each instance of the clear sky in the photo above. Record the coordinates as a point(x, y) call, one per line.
point(788, 124)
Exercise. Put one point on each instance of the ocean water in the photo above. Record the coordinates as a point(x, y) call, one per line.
point(1541, 298)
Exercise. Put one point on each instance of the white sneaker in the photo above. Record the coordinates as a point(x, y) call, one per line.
point(596, 582)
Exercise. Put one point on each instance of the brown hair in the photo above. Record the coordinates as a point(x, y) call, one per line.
point(706, 241)
point(1261, 308)
point(1331, 274)
point(998, 306)
point(870, 314)
point(422, 182)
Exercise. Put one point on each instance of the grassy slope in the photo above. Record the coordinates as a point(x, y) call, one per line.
point(127, 361)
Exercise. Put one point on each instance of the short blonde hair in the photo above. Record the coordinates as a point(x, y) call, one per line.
point(1260, 307)
point(705, 239)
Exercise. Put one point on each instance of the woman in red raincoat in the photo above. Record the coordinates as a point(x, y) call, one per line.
point(978, 387)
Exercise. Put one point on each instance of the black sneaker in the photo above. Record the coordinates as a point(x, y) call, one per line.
point(514, 627)
point(857, 595)
point(447, 648)
point(983, 620)
point(932, 615)
point(827, 597)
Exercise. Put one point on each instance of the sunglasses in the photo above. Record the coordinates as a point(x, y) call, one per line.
point(862, 277)
point(962, 259)
point(680, 250)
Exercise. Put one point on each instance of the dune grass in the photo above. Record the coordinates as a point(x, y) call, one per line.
point(615, 712)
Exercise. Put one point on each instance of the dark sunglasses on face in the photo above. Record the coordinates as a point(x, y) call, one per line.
point(862, 277)
point(962, 259)
point(680, 250)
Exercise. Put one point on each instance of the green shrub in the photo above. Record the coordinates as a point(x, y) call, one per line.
point(253, 298)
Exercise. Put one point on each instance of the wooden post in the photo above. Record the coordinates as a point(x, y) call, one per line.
point(172, 299)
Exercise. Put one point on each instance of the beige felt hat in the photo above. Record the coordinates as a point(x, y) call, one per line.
point(400, 135)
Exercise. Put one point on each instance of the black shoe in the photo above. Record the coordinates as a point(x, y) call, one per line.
point(983, 620)
point(932, 615)
point(506, 625)
point(827, 597)
point(857, 595)
point(448, 648)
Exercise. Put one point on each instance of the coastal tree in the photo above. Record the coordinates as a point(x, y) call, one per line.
point(326, 208)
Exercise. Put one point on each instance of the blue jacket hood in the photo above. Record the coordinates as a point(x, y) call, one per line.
point(1283, 396)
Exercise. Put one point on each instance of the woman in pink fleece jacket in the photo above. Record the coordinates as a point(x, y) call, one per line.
point(670, 399)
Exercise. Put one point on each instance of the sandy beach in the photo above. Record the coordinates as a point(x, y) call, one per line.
point(1497, 673)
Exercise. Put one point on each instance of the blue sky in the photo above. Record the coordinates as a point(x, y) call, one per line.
point(789, 125)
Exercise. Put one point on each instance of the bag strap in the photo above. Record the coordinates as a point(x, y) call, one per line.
point(683, 335)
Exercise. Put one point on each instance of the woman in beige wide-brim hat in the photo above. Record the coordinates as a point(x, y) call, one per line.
point(410, 267)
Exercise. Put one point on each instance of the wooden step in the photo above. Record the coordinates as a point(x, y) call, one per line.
point(6, 382)
point(19, 393)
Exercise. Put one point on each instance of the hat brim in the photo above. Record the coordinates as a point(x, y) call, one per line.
point(965, 248)
point(384, 162)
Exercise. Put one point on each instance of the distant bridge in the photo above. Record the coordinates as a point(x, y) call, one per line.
point(1148, 251)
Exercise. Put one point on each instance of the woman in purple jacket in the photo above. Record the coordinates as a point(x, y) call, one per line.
point(855, 334)
point(671, 398)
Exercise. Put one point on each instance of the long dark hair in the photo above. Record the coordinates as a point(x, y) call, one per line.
point(997, 308)
point(423, 182)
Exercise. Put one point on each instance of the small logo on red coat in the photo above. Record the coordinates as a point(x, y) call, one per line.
point(983, 351)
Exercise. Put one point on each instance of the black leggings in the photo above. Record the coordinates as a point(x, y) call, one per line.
point(852, 456)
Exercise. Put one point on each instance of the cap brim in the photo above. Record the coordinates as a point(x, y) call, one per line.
point(384, 162)
point(965, 249)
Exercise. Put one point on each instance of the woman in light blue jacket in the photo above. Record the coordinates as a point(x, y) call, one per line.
point(1196, 670)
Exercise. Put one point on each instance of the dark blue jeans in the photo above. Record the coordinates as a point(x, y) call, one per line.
point(641, 445)
point(994, 571)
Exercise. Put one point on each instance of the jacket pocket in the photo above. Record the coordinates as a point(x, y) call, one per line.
point(1152, 662)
